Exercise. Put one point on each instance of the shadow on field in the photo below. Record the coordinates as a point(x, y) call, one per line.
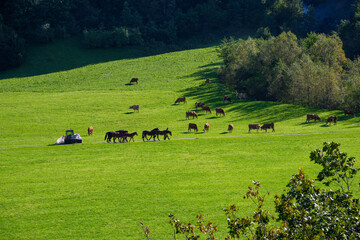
point(259, 111)
point(67, 54)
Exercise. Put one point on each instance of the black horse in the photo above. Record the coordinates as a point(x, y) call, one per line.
point(164, 133)
point(152, 134)
point(110, 135)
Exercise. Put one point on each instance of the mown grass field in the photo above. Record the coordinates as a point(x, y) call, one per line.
point(102, 191)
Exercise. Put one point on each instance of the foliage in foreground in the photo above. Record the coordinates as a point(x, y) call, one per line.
point(305, 211)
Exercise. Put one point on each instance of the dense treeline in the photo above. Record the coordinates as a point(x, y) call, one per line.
point(113, 23)
point(312, 71)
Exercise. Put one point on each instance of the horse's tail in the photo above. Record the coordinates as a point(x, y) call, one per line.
point(106, 134)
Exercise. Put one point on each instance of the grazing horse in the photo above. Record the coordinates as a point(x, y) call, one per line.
point(254, 126)
point(152, 134)
point(180, 99)
point(165, 133)
point(349, 112)
point(90, 131)
point(207, 81)
point(199, 104)
point(129, 135)
point(193, 126)
point(135, 80)
point(241, 95)
point(266, 126)
point(135, 107)
point(227, 98)
point(230, 127)
point(332, 119)
point(312, 116)
point(206, 127)
point(191, 113)
point(206, 108)
point(220, 111)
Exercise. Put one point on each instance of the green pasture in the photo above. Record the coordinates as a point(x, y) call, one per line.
point(97, 190)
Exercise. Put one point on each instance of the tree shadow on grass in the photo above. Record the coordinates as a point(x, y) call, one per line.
point(212, 95)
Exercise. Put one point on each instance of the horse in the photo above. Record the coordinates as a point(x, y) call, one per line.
point(191, 113)
point(207, 81)
point(118, 135)
point(206, 127)
point(135, 107)
point(152, 134)
point(180, 99)
point(349, 112)
point(193, 126)
point(312, 116)
point(332, 119)
point(220, 111)
point(164, 133)
point(206, 108)
point(266, 126)
point(109, 135)
point(136, 80)
point(199, 104)
point(241, 95)
point(227, 98)
point(90, 131)
point(230, 127)
point(129, 135)
point(254, 126)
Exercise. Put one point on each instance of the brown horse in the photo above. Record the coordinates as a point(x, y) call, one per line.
point(90, 131)
point(206, 108)
point(312, 116)
point(180, 99)
point(254, 126)
point(206, 127)
point(129, 135)
point(191, 113)
point(109, 135)
point(199, 104)
point(332, 119)
point(193, 126)
point(164, 133)
point(135, 107)
point(152, 134)
point(267, 126)
point(207, 81)
point(230, 127)
point(220, 111)
point(227, 98)
point(349, 113)
point(135, 80)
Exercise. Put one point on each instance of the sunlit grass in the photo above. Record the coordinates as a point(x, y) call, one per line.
point(103, 191)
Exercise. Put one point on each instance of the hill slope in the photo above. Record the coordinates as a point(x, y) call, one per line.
point(97, 191)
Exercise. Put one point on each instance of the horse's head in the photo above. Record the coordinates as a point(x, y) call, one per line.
point(169, 132)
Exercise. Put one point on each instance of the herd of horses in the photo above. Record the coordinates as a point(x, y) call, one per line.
point(125, 136)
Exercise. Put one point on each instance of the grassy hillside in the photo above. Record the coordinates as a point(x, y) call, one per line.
point(103, 191)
